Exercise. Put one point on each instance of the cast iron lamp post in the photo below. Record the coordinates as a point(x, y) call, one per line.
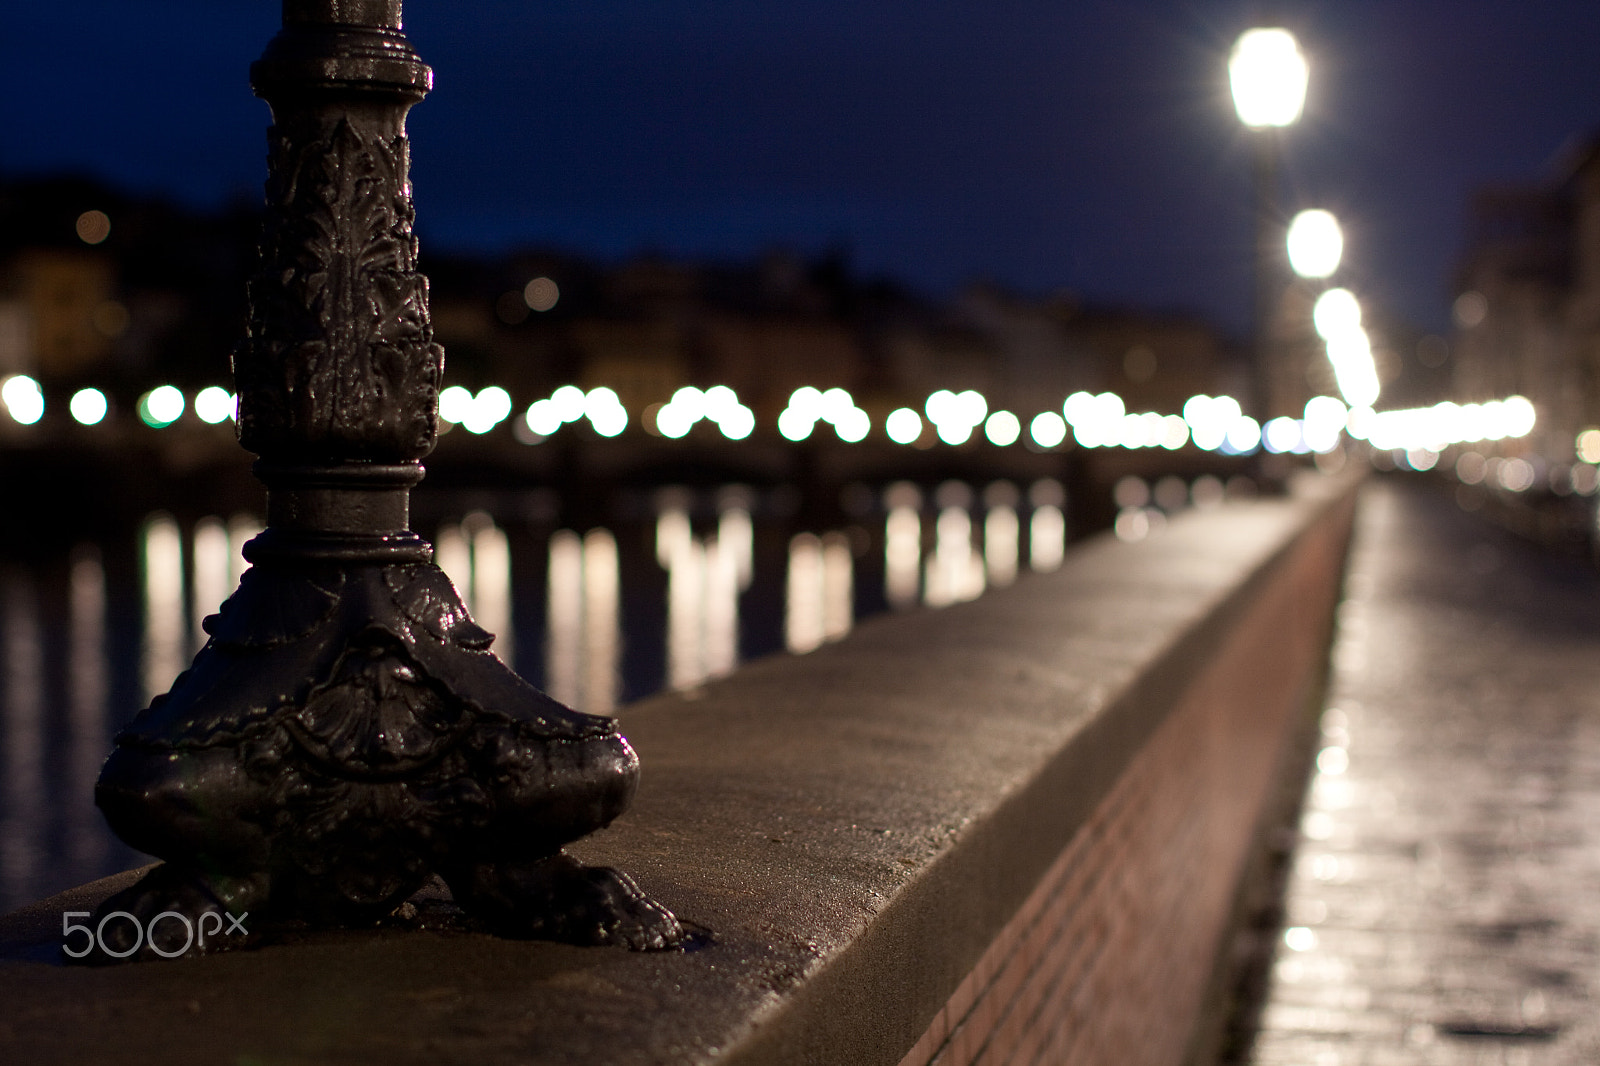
point(346, 732)
point(1268, 76)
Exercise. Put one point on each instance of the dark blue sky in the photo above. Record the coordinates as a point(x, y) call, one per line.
point(1086, 144)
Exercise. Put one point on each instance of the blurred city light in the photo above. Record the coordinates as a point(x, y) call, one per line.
point(800, 417)
point(903, 425)
point(1268, 77)
point(541, 294)
point(719, 404)
point(569, 402)
point(212, 404)
point(1324, 421)
point(542, 417)
point(1002, 428)
point(1436, 428)
point(1588, 445)
point(161, 406)
point(1282, 434)
point(23, 400)
point(455, 403)
point(88, 406)
point(1315, 244)
point(956, 415)
point(1337, 318)
point(1336, 312)
point(1048, 429)
point(1096, 420)
point(488, 409)
point(1209, 419)
point(1176, 434)
point(1244, 436)
point(93, 227)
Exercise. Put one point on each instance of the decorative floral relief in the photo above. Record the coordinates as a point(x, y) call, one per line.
point(339, 354)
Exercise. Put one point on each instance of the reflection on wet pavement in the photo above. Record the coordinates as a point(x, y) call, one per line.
point(1442, 905)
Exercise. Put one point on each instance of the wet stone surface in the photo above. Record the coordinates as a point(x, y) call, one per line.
point(1444, 903)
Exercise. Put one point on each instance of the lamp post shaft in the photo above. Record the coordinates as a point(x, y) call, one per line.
point(347, 733)
point(1268, 273)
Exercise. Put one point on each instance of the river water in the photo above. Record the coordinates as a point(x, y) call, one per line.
point(679, 590)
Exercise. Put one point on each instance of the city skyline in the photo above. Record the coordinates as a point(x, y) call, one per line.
point(1091, 149)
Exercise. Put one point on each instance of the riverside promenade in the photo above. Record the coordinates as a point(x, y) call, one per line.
point(1444, 902)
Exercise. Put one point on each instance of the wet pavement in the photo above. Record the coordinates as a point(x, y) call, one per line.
point(1444, 901)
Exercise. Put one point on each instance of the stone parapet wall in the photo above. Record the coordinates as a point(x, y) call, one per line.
point(1107, 961)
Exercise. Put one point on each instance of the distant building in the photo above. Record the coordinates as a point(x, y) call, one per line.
point(1527, 307)
point(97, 288)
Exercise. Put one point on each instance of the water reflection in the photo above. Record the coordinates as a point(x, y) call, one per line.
point(564, 618)
point(838, 586)
point(88, 696)
point(602, 623)
point(1000, 533)
point(802, 615)
point(583, 633)
point(490, 585)
point(954, 572)
point(902, 545)
point(1047, 530)
point(212, 575)
point(121, 620)
point(819, 602)
point(165, 634)
point(453, 555)
point(705, 577)
point(24, 824)
point(475, 555)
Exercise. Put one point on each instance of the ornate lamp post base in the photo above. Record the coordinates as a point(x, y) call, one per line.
point(346, 733)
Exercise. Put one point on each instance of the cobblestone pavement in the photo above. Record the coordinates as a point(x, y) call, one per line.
point(1444, 903)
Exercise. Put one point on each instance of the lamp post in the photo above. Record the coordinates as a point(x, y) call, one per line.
point(346, 732)
point(1315, 245)
point(1268, 76)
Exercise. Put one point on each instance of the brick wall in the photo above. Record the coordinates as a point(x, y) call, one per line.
point(1107, 961)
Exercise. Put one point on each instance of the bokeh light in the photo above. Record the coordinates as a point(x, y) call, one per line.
point(23, 399)
point(88, 407)
point(213, 404)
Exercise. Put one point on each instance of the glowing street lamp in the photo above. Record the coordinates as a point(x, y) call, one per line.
point(1268, 76)
point(1316, 244)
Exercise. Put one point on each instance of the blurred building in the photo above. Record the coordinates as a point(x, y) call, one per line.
point(1527, 301)
point(103, 289)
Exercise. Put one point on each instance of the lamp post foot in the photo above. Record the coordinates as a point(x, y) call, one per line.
point(558, 898)
point(345, 734)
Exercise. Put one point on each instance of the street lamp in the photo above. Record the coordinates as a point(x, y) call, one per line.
point(1268, 76)
point(1315, 244)
point(346, 732)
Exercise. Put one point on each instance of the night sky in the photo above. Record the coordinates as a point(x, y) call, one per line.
point(1079, 144)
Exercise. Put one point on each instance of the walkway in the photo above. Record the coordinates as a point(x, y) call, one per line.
point(1444, 905)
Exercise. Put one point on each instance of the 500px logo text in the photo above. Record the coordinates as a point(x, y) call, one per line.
point(194, 932)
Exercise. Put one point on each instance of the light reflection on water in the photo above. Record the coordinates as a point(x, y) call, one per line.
point(165, 638)
point(902, 545)
point(705, 578)
point(25, 820)
point(731, 578)
point(88, 702)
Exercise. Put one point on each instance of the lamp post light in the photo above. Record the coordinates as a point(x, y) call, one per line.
point(1315, 244)
point(1267, 74)
point(346, 732)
